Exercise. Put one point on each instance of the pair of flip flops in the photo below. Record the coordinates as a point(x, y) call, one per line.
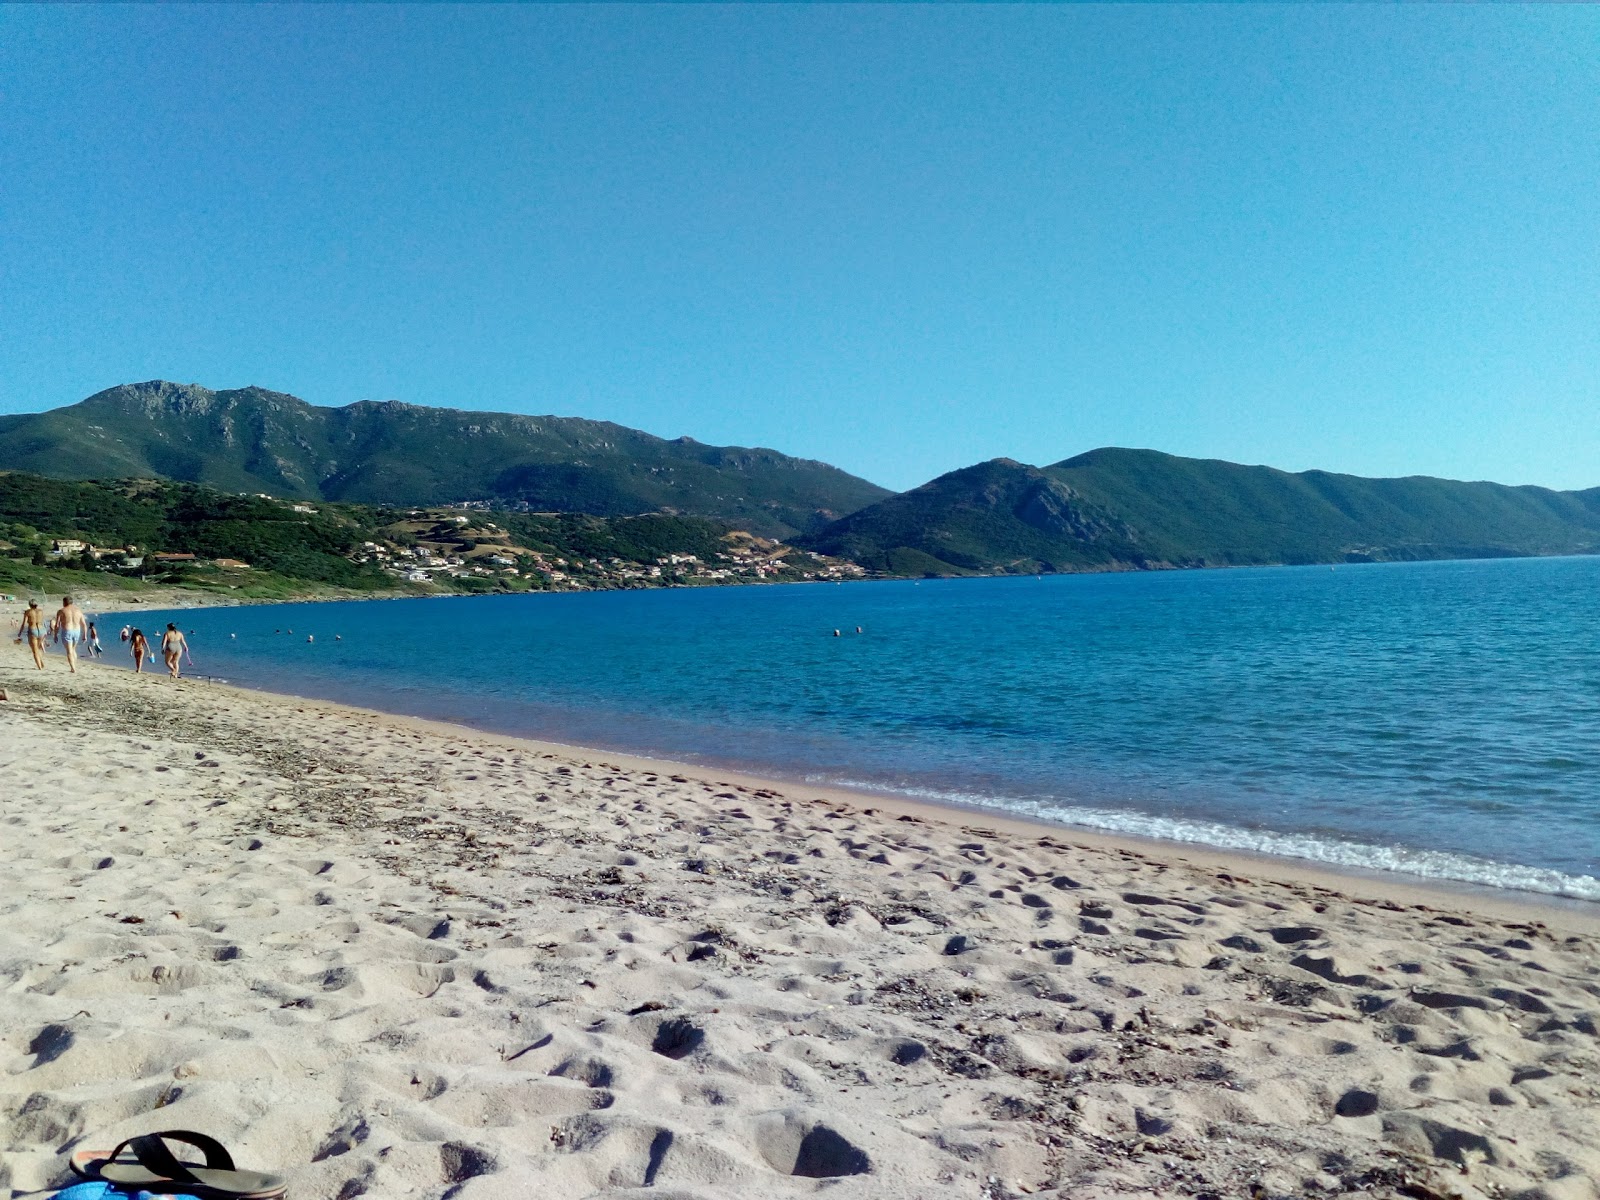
point(147, 1163)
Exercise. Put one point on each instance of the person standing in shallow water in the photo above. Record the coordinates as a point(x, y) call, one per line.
point(71, 626)
point(172, 648)
point(32, 632)
point(140, 647)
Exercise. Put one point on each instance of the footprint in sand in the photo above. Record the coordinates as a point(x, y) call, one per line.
point(798, 1145)
point(591, 1072)
point(677, 1037)
point(1357, 1102)
point(459, 1162)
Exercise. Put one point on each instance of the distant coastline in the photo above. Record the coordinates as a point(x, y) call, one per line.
point(137, 597)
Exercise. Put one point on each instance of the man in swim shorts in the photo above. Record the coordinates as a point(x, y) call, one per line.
point(32, 632)
point(71, 628)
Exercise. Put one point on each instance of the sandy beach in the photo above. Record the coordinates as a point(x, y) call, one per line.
point(394, 958)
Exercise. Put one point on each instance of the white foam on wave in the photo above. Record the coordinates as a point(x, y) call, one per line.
point(1403, 860)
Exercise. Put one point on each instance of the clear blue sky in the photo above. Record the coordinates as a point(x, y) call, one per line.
point(900, 239)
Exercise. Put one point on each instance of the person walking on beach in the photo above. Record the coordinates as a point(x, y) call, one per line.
point(141, 649)
point(172, 647)
point(70, 626)
point(32, 631)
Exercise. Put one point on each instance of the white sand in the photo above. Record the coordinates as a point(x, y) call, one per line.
point(399, 959)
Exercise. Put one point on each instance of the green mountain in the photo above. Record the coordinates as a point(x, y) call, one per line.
point(1122, 509)
point(253, 440)
point(996, 515)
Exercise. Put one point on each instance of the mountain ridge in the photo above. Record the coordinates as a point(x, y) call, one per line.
point(1118, 509)
point(392, 452)
point(1110, 508)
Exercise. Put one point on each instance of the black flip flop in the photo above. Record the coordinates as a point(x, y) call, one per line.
point(154, 1167)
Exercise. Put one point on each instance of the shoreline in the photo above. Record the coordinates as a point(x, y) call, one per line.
point(1288, 868)
point(1372, 883)
point(178, 599)
point(1369, 883)
point(1443, 886)
point(388, 955)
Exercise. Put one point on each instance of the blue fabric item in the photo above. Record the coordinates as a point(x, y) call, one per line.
point(99, 1189)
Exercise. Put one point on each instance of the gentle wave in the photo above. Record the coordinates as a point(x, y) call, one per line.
point(1400, 860)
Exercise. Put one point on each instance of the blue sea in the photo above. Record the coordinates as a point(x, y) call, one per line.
point(1438, 719)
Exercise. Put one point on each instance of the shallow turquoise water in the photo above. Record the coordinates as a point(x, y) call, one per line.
point(1436, 718)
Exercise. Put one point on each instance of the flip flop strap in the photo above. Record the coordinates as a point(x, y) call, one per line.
point(150, 1150)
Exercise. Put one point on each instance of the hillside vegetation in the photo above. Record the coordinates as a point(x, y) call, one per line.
point(95, 535)
point(117, 530)
point(1131, 509)
point(254, 440)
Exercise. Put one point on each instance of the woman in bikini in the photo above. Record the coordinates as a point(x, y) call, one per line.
point(140, 649)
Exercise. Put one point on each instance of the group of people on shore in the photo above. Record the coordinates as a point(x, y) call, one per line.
point(70, 628)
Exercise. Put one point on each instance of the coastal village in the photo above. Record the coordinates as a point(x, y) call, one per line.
point(432, 545)
point(463, 548)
